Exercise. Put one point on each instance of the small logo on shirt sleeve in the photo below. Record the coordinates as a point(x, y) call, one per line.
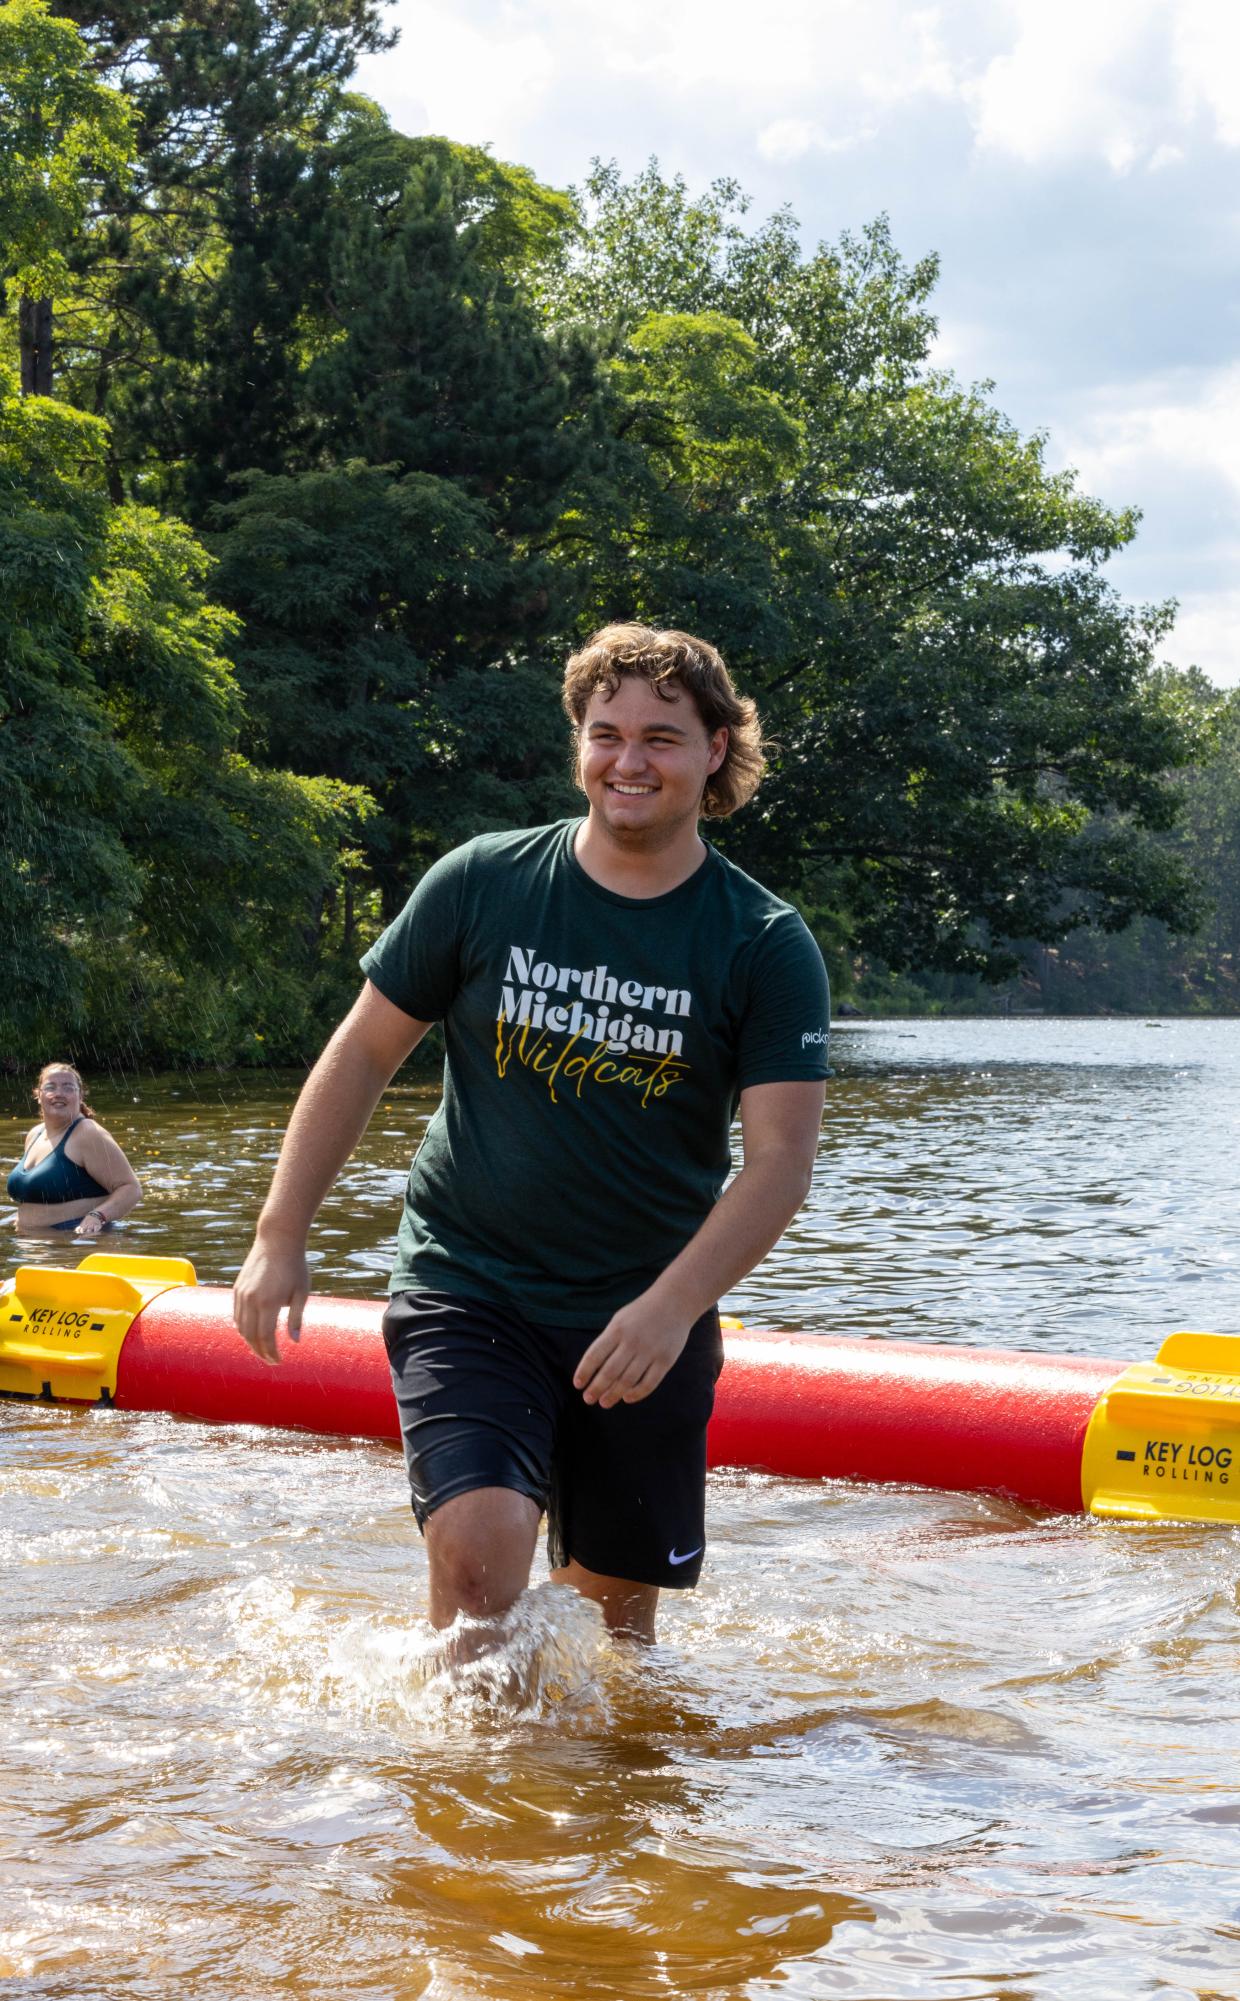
point(815, 1038)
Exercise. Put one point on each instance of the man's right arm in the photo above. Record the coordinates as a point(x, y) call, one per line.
point(329, 1118)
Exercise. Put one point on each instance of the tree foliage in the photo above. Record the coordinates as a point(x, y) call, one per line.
point(972, 747)
point(354, 435)
point(62, 134)
point(199, 287)
point(148, 857)
point(376, 603)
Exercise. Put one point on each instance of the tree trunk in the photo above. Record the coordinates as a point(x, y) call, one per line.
point(34, 322)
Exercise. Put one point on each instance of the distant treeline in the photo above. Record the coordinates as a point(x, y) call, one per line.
point(320, 446)
point(1148, 967)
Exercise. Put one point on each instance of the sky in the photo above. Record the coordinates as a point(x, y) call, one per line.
point(1074, 163)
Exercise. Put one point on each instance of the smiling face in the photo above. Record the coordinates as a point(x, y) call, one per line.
point(645, 757)
point(59, 1096)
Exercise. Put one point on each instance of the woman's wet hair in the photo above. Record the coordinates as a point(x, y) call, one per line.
point(669, 660)
point(46, 1072)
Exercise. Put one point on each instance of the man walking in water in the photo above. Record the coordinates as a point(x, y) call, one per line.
point(611, 990)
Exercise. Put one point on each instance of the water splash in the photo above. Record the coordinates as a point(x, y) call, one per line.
point(547, 1666)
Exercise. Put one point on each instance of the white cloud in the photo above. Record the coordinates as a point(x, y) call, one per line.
point(1164, 431)
point(1207, 635)
point(797, 76)
point(961, 346)
point(1039, 81)
point(835, 51)
point(1120, 80)
point(1064, 155)
point(1066, 83)
point(1207, 60)
point(485, 84)
point(789, 139)
point(1171, 445)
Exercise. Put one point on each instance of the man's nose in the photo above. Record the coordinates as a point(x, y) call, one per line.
point(631, 757)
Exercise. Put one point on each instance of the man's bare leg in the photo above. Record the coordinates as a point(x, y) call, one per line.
point(628, 1609)
point(480, 1547)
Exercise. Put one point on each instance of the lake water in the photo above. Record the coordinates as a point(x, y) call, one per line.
point(899, 1744)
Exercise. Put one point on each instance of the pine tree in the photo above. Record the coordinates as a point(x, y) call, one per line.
point(197, 297)
point(396, 601)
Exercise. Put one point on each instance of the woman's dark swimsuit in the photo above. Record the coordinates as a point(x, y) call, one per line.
point(56, 1178)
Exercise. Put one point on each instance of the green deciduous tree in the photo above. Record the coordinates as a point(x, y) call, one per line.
point(65, 785)
point(973, 745)
point(159, 888)
point(434, 420)
point(63, 137)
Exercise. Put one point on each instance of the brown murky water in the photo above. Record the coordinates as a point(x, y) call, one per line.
point(897, 1745)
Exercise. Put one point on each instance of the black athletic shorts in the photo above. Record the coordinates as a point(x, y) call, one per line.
point(487, 1400)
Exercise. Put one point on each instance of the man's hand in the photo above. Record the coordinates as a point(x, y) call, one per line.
point(779, 1124)
point(632, 1354)
point(270, 1279)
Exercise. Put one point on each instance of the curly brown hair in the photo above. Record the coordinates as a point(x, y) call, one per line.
point(677, 659)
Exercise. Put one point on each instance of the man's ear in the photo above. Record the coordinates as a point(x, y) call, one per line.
point(718, 749)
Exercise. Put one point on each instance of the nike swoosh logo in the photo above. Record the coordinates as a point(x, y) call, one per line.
point(673, 1558)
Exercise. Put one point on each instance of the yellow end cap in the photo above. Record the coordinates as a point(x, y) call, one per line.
point(1163, 1444)
point(61, 1331)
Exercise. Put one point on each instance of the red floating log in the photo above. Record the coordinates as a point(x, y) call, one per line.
point(962, 1419)
point(979, 1420)
point(183, 1354)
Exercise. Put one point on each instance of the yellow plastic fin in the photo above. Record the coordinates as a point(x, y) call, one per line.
point(1163, 1444)
point(61, 1331)
point(161, 1272)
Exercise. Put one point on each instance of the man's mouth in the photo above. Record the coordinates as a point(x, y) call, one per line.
point(630, 791)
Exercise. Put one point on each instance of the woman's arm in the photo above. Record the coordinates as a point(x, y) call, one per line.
point(100, 1155)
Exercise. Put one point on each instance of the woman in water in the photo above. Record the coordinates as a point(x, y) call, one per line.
point(72, 1175)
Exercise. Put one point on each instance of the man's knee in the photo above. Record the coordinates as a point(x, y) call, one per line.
point(476, 1583)
point(480, 1547)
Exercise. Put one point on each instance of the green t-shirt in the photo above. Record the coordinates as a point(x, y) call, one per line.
point(596, 1049)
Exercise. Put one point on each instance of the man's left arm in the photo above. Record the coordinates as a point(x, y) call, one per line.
point(779, 1129)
